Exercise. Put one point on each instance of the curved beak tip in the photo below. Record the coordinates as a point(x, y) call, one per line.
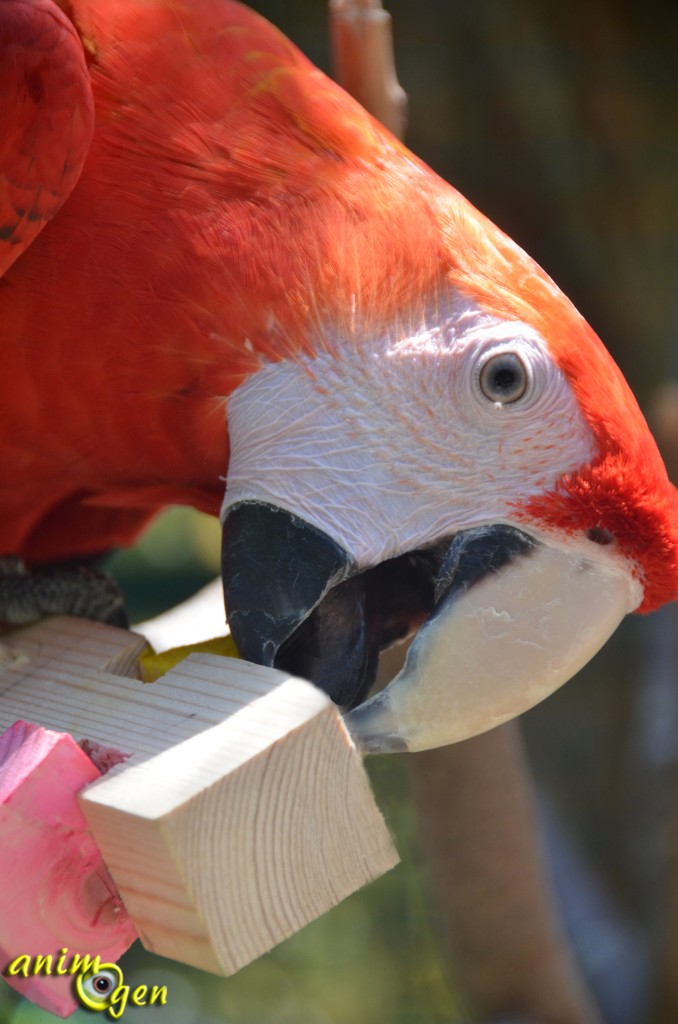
point(373, 729)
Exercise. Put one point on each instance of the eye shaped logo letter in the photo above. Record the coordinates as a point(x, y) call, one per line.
point(95, 988)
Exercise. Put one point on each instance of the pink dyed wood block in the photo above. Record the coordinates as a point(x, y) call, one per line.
point(56, 893)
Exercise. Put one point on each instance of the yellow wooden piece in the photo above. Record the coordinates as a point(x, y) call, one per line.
point(152, 666)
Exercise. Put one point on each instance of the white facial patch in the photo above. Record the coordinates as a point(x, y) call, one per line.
point(391, 443)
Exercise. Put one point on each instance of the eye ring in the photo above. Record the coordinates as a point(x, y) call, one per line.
point(504, 378)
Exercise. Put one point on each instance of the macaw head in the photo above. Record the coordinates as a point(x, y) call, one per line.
point(475, 469)
point(447, 451)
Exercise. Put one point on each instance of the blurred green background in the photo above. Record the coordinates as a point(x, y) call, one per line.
point(559, 121)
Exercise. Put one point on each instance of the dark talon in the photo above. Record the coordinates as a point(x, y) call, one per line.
point(28, 595)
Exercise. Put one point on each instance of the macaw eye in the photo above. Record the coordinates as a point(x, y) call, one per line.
point(504, 378)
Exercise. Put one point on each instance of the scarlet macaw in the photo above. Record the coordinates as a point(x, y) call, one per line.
point(422, 428)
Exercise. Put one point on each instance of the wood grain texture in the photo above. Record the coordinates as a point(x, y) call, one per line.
point(57, 893)
point(242, 811)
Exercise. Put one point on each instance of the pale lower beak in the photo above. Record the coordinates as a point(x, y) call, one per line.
point(495, 647)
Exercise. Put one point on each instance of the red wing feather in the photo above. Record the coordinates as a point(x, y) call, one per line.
point(47, 118)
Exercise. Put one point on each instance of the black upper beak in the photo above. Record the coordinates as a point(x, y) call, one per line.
point(276, 568)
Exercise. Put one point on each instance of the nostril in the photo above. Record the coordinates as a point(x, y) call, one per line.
point(599, 535)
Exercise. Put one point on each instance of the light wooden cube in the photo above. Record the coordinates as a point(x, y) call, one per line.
point(232, 840)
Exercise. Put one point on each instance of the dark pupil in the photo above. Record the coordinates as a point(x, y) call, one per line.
point(102, 984)
point(504, 380)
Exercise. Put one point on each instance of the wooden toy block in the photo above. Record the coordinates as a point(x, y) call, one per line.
point(242, 810)
point(57, 895)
